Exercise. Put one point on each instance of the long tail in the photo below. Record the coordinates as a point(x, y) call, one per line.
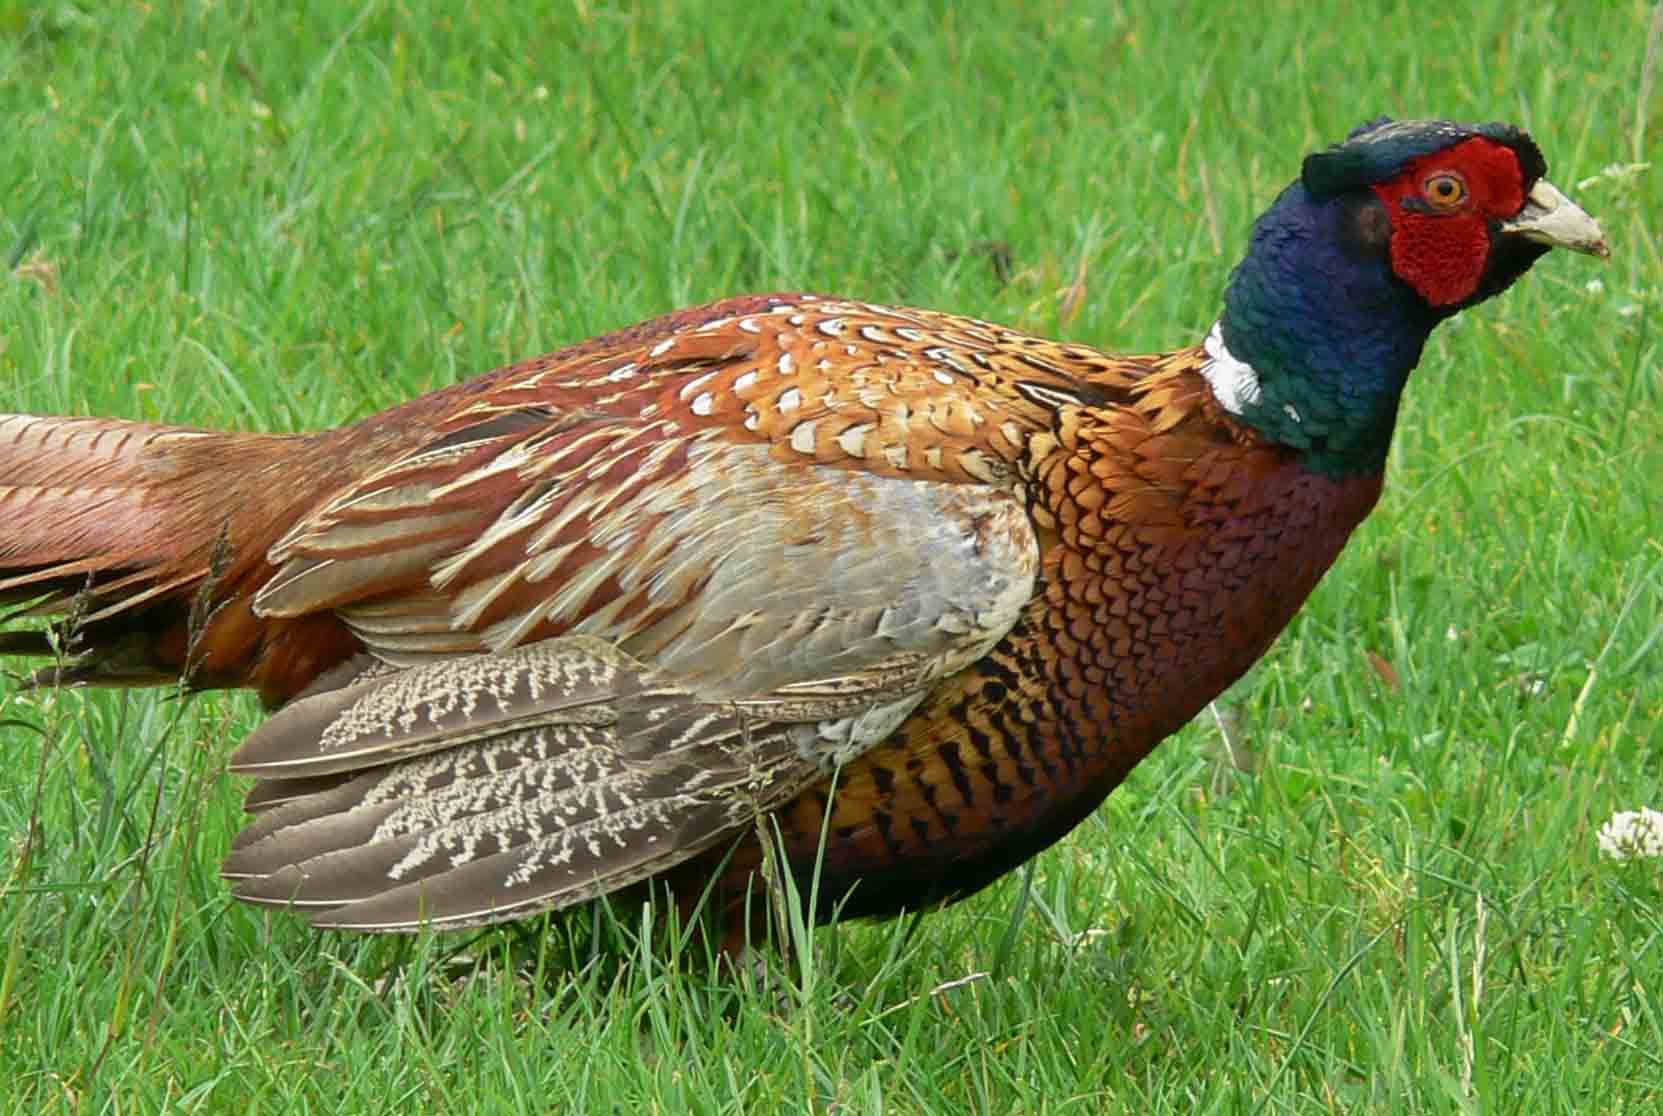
point(138, 543)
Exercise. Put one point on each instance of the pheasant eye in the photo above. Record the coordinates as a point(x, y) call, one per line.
point(1445, 191)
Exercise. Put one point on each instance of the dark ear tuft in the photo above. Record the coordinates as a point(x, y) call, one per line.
point(1334, 171)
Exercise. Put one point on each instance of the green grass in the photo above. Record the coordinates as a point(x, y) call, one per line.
point(288, 216)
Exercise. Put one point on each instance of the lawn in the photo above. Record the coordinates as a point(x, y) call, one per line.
point(1385, 895)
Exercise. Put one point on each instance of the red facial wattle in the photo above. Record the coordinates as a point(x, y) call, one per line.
point(1441, 249)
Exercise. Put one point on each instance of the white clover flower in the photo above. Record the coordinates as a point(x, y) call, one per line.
point(1632, 833)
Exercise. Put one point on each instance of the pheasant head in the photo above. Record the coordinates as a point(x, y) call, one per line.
point(1381, 238)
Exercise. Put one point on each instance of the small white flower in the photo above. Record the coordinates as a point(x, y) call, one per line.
point(1631, 834)
point(1453, 634)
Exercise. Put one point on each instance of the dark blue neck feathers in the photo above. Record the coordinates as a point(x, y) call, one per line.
point(1330, 331)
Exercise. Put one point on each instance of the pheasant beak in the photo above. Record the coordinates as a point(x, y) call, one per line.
point(1550, 218)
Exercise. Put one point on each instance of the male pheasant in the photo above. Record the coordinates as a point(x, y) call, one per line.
point(921, 588)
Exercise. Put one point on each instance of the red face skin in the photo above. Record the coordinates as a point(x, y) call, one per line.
point(1442, 208)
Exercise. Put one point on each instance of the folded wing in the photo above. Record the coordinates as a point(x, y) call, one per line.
point(594, 654)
